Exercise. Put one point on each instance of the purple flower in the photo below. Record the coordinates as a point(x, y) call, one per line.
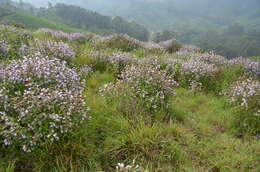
point(35, 92)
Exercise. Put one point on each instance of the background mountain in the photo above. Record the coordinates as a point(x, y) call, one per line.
point(230, 28)
point(164, 14)
point(73, 16)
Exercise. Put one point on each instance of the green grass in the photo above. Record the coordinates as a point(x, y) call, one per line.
point(34, 23)
point(196, 134)
point(198, 138)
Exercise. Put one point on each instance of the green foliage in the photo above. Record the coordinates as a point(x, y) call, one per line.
point(154, 145)
point(17, 41)
point(86, 19)
point(33, 22)
point(232, 42)
point(191, 130)
point(119, 42)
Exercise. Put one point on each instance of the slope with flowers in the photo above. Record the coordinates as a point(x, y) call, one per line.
point(81, 102)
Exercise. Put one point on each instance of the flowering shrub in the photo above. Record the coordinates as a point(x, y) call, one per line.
point(187, 50)
point(119, 60)
point(199, 71)
point(40, 100)
point(246, 94)
point(17, 39)
point(58, 50)
point(127, 168)
point(54, 33)
point(119, 41)
point(210, 58)
point(79, 37)
point(171, 46)
point(151, 85)
point(172, 65)
point(253, 68)
point(4, 48)
point(85, 71)
point(237, 61)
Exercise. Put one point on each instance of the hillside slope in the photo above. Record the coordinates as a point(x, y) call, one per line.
point(86, 19)
point(78, 102)
point(33, 22)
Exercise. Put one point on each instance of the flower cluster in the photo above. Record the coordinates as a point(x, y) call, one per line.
point(58, 50)
point(239, 61)
point(246, 93)
point(121, 59)
point(4, 48)
point(80, 37)
point(17, 39)
point(151, 46)
point(40, 100)
point(85, 71)
point(253, 68)
point(187, 50)
point(119, 41)
point(210, 58)
point(195, 86)
point(127, 168)
point(196, 69)
point(150, 84)
point(118, 59)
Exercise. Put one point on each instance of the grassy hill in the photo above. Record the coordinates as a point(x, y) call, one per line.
point(78, 102)
point(34, 23)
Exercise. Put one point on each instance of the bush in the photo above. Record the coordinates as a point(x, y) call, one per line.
point(78, 37)
point(150, 85)
point(171, 46)
point(4, 48)
point(198, 73)
point(188, 50)
point(17, 41)
point(210, 58)
point(58, 50)
point(150, 146)
point(120, 42)
point(248, 66)
point(246, 94)
point(40, 100)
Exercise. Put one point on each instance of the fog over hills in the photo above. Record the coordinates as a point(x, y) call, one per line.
point(228, 27)
point(163, 14)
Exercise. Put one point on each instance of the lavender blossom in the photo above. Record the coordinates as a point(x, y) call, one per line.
point(148, 82)
point(79, 37)
point(253, 68)
point(40, 100)
point(187, 50)
point(58, 50)
point(198, 69)
point(119, 41)
point(246, 93)
point(4, 48)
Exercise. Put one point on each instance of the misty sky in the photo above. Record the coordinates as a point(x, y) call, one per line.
point(181, 12)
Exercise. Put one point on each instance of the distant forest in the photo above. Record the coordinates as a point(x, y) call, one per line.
point(81, 18)
point(230, 28)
